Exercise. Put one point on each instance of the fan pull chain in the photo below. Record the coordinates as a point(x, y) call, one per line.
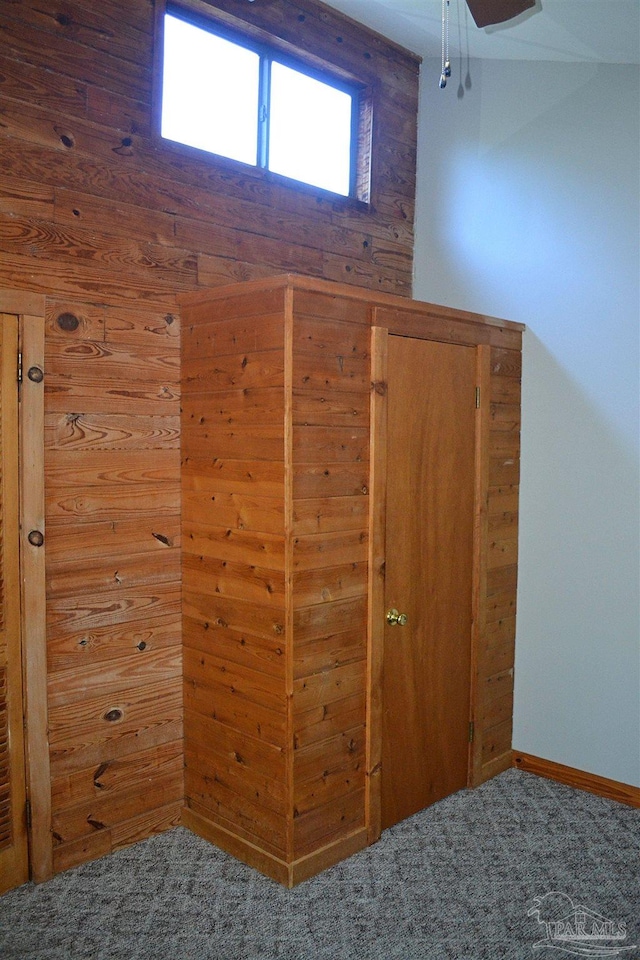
point(446, 63)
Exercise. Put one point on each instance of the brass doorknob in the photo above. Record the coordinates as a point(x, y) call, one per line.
point(396, 619)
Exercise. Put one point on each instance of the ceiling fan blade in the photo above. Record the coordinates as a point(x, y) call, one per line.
point(486, 12)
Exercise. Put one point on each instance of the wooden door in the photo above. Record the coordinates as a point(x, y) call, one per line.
point(14, 867)
point(429, 570)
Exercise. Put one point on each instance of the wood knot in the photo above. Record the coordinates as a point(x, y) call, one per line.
point(161, 537)
point(113, 715)
point(379, 387)
point(68, 322)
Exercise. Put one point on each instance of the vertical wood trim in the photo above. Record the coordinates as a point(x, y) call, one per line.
point(34, 598)
point(288, 560)
point(14, 858)
point(377, 520)
point(158, 68)
point(481, 534)
point(365, 146)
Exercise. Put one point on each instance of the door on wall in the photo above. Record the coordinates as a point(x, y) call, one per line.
point(428, 574)
point(14, 865)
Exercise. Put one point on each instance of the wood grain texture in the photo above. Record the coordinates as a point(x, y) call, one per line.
point(376, 587)
point(14, 858)
point(102, 225)
point(496, 644)
point(33, 561)
point(279, 587)
point(430, 526)
point(581, 779)
point(121, 834)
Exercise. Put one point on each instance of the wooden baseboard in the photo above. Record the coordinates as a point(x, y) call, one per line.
point(610, 789)
point(328, 856)
point(491, 768)
point(238, 847)
point(288, 874)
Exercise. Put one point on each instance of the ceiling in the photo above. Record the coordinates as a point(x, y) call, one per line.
point(584, 31)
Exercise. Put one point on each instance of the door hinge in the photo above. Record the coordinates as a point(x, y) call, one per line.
point(477, 398)
point(27, 810)
point(19, 373)
point(471, 731)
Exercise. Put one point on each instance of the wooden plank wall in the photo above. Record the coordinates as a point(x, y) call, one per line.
point(234, 584)
point(275, 571)
point(330, 415)
point(109, 223)
point(496, 651)
point(277, 379)
point(275, 507)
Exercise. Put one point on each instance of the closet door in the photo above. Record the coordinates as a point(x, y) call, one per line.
point(14, 868)
point(429, 530)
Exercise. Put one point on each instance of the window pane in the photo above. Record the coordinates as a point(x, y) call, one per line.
point(310, 130)
point(210, 92)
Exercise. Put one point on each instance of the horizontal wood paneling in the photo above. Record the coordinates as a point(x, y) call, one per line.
point(105, 431)
point(322, 620)
point(325, 480)
point(234, 562)
point(232, 558)
point(328, 651)
point(327, 770)
point(496, 647)
point(108, 223)
point(248, 687)
point(208, 508)
point(74, 649)
point(331, 821)
point(243, 546)
point(233, 709)
point(125, 773)
point(329, 515)
point(337, 682)
point(236, 777)
point(231, 579)
point(246, 752)
point(122, 834)
point(117, 676)
point(276, 586)
point(240, 478)
point(128, 606)
point(231, 622)
point(83, 734)
point(85, 819)
point(327, 720)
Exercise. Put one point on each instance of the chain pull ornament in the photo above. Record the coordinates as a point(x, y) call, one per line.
point(446, 63)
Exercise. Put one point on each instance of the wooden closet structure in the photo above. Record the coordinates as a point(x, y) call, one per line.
point(284, 463)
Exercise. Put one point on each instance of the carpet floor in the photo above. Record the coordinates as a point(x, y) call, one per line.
point(455, 881)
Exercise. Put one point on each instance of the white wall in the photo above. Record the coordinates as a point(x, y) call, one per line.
point(529, 209)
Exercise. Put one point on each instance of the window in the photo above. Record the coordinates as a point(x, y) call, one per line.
point(230, 96)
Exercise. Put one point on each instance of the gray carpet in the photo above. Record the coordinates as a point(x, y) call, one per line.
point(455, 881)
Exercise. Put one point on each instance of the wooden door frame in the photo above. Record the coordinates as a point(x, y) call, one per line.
point(377, 558)
point(376, 587)
point(30, 309)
